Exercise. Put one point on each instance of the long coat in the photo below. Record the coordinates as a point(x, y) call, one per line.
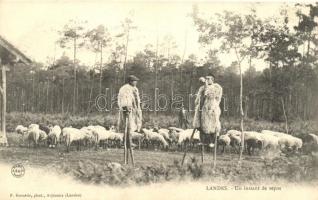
point(129, 96)
point(207, 109)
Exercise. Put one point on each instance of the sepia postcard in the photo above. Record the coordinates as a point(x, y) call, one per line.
point(103, 100)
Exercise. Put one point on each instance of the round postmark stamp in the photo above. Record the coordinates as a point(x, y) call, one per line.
point(18, 170)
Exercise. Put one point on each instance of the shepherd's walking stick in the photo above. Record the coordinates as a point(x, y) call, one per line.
point(186, 149)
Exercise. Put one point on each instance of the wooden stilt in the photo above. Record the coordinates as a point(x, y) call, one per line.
point(186, 149)
point(215, 146)
point(132, 156)
point(202, 153)
point(125, 141)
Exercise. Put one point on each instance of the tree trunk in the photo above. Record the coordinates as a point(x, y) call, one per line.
point(53, 98)
point(75, 81)
point(270, 108)
point(63, 95)
point(101, 68)
point(33, 94)
point(172, 88)
point(39, 98)
point(190, 89)
point(246, 106)
point(89, 100)
point(23, 99)
point(156, 76)
point(47, 96)
point(285, 116)
point(241, 112)
point(77, 99)
point(125, 60)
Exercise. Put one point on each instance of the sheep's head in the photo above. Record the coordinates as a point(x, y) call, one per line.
point(202, 80)
point(259, 144)
point(156, 129)
point(146, 136)
point(43, 135)
point(112, 128)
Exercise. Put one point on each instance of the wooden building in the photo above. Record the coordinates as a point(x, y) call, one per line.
point(9, 55)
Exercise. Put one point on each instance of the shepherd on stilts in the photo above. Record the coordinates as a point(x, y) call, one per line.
point(130, 115)
point(207, 114)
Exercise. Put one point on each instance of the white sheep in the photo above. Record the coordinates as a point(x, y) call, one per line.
point(34, 126)
point(252, 134)
point(116, 138)
point(89, 137)
point(20, 129)
point(176, 129)
point(165, 133)
point(253, 140)
point(274, 133)
point(185, 135)
point(224, 141)
point(285, 140)
point(235, 137)
point(314, 138)
point(270, 141)
point(298, 143)
point(54, 136)
point(137, 137)
point(290, 142)
point(71, 135)
point(100, 133)
point(233, 133)
point(174, 136)
point(36, 135)
point(154, 137)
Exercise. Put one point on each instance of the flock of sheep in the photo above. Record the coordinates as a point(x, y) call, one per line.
point(99, 136)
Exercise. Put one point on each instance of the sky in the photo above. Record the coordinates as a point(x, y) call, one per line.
point(33, 25)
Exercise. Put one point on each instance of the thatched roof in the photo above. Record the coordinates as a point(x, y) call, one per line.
point(14, 51)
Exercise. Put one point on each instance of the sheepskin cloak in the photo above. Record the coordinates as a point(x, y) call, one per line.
point(129, 96)
point(207, 109)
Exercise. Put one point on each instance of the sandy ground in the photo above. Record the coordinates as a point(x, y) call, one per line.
point(52, 186)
